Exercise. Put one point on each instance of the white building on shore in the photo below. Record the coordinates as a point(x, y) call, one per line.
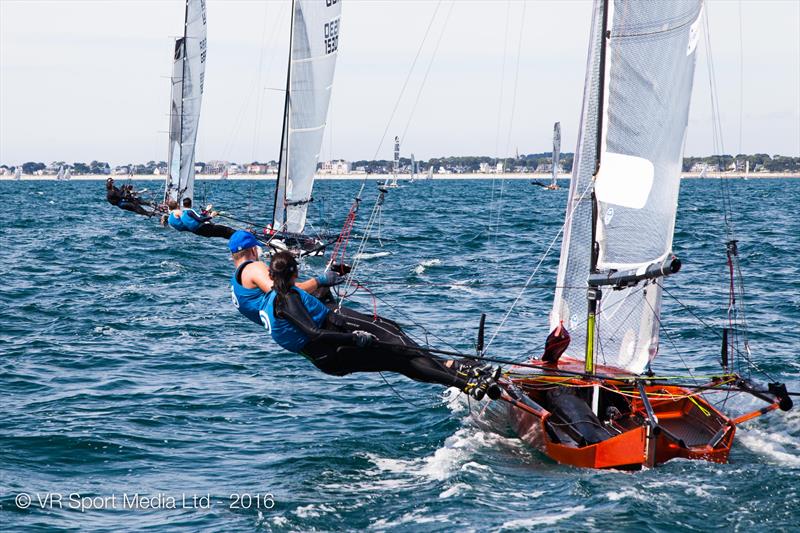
point(337, 166)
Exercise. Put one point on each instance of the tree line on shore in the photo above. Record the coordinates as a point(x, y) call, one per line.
point(466, 164)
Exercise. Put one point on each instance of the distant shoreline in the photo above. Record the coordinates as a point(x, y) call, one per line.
point(379, 177)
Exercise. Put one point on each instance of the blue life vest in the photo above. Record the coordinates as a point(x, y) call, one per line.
point(249, 302)
point(188, 222)
point(284, 332)
point(259, 307)
point(175, 222)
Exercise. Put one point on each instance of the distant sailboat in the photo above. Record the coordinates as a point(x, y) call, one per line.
point(188, 73)
point(413, 169)
point(67, 174)
point(553, 185)
point(392, 182)
point(17, 173)
point(224, 174)
point(430, 171)
point(60, 175)
point(313, 49)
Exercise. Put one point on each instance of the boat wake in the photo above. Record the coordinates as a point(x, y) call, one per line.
point(423, 266)
point(373, 255)
point(781, 444)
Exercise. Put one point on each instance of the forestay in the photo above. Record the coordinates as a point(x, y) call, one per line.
point(188, 74)
point(312, 61)
point(638, 129)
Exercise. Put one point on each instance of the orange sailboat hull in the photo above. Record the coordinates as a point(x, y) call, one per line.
point(684, 424)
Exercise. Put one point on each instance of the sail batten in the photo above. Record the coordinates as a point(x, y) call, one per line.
point(312, 62)
point(187, 94)
point(639, 106)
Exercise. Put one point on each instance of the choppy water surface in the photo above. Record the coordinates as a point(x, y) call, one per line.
point(125, 369)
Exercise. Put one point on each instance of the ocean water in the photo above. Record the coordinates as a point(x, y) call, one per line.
point(126, 372)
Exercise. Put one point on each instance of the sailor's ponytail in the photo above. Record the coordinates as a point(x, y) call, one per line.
point(283, 268)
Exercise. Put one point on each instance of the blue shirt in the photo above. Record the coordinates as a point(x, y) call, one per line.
point(175, 222)
point(188, 222)
point(259, 307)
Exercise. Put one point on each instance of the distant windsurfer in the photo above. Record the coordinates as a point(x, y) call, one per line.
point(200, 223)
point(337, 341)
point(125, 198)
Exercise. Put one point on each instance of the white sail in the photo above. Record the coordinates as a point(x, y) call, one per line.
point(60, 175)
point(413, 169)
point(67, 174)
point(395, 162)
point(312, 62)
point(430, 170)
point(635, 113)
point(188, 73)
point(18, 173)
point(556, 151)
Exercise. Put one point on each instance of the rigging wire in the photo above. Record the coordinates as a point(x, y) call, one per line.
point(567, 220)
point(427, 71)
point(408, 77)
point(736, 311)
point(511, 117)
point(499, 116)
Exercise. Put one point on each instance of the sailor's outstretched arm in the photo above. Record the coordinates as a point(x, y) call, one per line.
point(197, 217)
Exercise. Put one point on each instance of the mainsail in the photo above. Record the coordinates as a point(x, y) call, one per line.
point(188, 73)
point(556, 151)
point(626, 174)
point(312, 61)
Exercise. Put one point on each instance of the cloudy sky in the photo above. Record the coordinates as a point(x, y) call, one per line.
point(89, 79)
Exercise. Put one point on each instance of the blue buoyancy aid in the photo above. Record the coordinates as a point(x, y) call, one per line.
point(175, 222)
point(259, 307)
point(190, 223)
point(286, 334)
point(249, 302)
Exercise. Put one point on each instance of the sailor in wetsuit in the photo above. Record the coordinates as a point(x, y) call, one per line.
point(200, 224)
point(124, 198)
point(338, 342)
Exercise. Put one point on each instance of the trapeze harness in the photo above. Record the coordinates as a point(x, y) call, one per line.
point(301, 323)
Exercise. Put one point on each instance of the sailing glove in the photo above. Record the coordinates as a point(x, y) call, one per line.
point(329, 279)
point(362, 339)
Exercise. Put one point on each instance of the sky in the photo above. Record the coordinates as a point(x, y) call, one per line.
point(89, 79)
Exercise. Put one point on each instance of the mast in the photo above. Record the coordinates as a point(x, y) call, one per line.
point(283, 156)
point(183, 88)
point(594, 294)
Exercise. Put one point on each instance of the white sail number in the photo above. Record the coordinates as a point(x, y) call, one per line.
point(331, 36)
point(265, 320)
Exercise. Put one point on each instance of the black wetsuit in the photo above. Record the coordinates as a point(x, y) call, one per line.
point(332, 348)
point(124, 200)
point(208, 228)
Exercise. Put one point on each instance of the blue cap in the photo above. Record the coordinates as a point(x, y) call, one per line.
point(241, 240)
